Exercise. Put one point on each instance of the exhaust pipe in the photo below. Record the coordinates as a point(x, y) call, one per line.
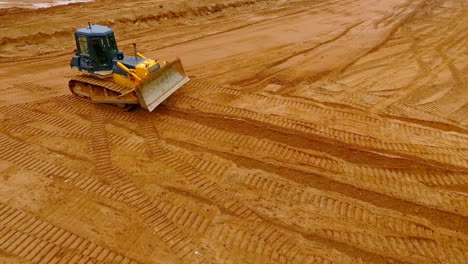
point(136, 52)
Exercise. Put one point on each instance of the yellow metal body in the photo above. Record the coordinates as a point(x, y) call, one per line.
point(137, 75)
point(150, 86)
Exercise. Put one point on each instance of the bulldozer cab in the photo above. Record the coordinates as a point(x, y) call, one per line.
point(96, 47)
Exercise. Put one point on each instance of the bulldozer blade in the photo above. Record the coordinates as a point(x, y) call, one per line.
point(161, 84)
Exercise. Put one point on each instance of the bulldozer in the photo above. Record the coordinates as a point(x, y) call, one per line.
point(106, 75)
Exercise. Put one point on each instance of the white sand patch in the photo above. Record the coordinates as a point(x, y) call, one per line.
point(36, 4)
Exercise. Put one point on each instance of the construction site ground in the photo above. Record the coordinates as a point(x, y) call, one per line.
point(312, 131)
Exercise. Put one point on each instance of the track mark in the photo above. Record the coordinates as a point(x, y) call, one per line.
point(27, 130)
point(414, 249)
point(445, 156)
point(169, 231)
point(385, 181)
point(38, 241)
point(334, 205)
point(125, 143)
point(74, 105)
point(21, 154)
point(46, 118)
point(284, 244)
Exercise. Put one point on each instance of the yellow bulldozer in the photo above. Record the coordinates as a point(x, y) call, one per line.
point(106, 75)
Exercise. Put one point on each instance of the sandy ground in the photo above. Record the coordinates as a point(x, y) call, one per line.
point(311, 132)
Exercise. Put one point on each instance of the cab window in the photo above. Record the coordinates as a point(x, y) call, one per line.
point(83, 45)
point(100, 51)
point(112, 45)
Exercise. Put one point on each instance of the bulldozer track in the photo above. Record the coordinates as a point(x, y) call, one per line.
point(32, 87)
point(460, 114)
point(119, 141)
point(360, 176)
point(428, 178)
point(25, 93)
point(389, 221)
point(123, 142)
point(282, 101)
point(204, 165)
point(210, 189)
point(225, 256)
point(199, 86)
point(406, 247)
point(405, 127)
point(15, 145)
point(424, 241)
point(336, 206)
point(38, 241)
point(184, 217)
point(278, 188)
point(67, 104)
point(103, 83)
point(238, 238)
point(402, 109)
point(75, 130)
point(449, 156)
point(169, 231)
point(20, 154)
point(74, 105)
point(24, 129)
point(321, 161)
point(46, 118)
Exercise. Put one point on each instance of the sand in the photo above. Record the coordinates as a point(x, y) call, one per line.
point(311, 132)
